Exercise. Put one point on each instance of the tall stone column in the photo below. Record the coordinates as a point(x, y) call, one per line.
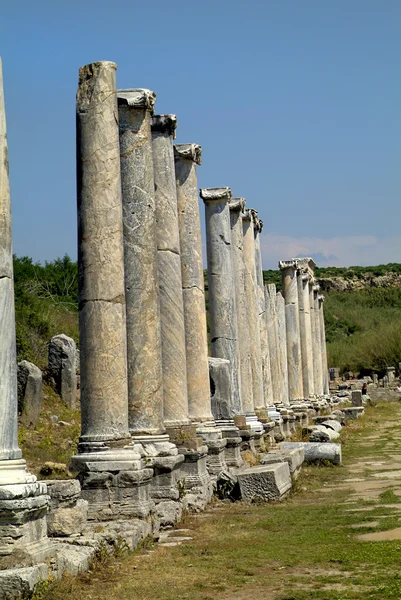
point(187, 156)
point(272, 338)
point(251, 290)
point(325, 368)
point(290, 292)
point(305, 274)
point(145, 381)
point(236, 207)
point(102, 319)
point(23, 501)
point(317, 344)
point(222, 308)
point(282, 349)
point(264, 342)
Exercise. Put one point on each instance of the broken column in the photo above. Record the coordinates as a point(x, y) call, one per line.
point(251, 290)
point(62, 367)
point(23, 501)
point(325, 368)
point(264, 342)
point(30, 393)
point(112, 475)
point(281, 349)
point(305, 274)
point(290, 292)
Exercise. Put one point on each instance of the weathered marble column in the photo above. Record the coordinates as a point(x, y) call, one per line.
point(325, 368)
point(187, 156)
point(236, 207)
point(282, 349)
point(317, 344)
point(290, 292)
point(305, 274)
point(264, 342)
point(23, 501)
point(169, 271)
point(272, 338)
point(145, 381)
point(251, 290)
point(222, 307)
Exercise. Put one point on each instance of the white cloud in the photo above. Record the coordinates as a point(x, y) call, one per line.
point(341, 251)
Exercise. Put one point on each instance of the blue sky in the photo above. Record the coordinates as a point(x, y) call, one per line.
point(296, 104)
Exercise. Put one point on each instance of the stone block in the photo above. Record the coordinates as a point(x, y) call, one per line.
point(315, 452)
point(68, 520)
point(353, 412)
point(168, 513)
point(332, 424)
point(30, 394)
point(17, 583)
point(265, 482)
point(72, 559)
point(357, 398)
point(294, 457)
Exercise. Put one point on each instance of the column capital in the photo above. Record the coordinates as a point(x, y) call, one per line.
point(137, 98)
point(215, 194)
point(321, 297)
point(164, 124)
point(258, 225)
point(189, 152)
point(237, 204)
point(316, 288)
point(306, 265)
point(287, 264)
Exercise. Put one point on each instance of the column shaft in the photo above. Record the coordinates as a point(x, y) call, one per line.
point(187, 156)
point(282, 349)
point(222, 308)
point(325, 368)
point(102, 318)
point(237, 247)
point(272, 338)
point(145, 383)
point(317, 344)
point(305, 273)
point(175, 395)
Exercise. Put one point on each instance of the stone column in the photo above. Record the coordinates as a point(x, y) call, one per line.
point(317, 344)
point(23, 501)
point(290, 292)
point(145, 381)
point(305, 274)
point(187, 156)
point(169, 271)
point(282, 349)
point(222, 307)
point(251, 290)
point(272, 338)
point(236, 207)
point(264, 342)
point(102, 319)
point(325, 368)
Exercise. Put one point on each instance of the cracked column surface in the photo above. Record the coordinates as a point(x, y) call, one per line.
point(325, 369)
point(222, 308)
point(264, 342)
point(103, 354)
point(145, 380)
point(306, 267)
point(187, 156)
point(282, 349)
point(272, 338)
point(251, 290)
point(236, 207)
point(317, 343)
point(175, 395)
point(290, 292)
point(8, 362)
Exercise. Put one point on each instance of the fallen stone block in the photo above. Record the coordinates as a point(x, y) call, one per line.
point(72, 559)
point(353, 412)
point(332, 424)
point(17, 583)
point(294, 458)
point(264, 482)
point(315, 452)
point(168, 513)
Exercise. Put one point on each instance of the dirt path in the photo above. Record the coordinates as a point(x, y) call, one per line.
point(337, 537)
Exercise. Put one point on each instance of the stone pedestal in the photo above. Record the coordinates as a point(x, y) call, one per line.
point(187, 156)
point(282, 349)
point(23, 501)
point(290, 292)
point(306, 268)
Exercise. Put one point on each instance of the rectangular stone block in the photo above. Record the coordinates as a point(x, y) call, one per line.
point(293, 456)
point(15, 583)
point(265, 482)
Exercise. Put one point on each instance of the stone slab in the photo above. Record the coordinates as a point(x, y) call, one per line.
point(264, 482)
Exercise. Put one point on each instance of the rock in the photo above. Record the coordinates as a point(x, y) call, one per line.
point(265, 482)
point(30, 394)
point(62, 367)
point(168, 513)
point(315, 452)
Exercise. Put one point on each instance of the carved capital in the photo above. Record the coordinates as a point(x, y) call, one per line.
point(287, 264)
point(316, 288)
point(215, 194)
point(137, 98)
point(247, 215)
point(306, 265)
point(258, 225)
point(164, 124)
point(189, 152)
point(320, 298)
point(237, 204)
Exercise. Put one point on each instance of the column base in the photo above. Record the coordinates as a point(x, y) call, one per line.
point(212, 437)
point(115, 482)
point(254, 423)
point(23, 508)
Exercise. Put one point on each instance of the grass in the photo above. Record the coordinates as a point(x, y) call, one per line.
point(302, 548)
